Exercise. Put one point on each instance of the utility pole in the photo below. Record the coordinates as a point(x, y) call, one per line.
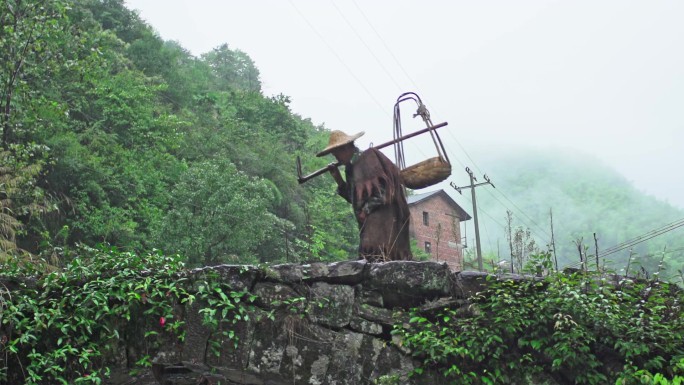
point(477, 228)
point(553, 241)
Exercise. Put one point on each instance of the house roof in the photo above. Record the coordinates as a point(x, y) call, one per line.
point(415, 199)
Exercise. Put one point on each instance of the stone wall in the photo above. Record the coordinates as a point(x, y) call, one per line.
point(318, 324)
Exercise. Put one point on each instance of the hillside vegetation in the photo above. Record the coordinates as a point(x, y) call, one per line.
point(585, 197)
point(112, 135)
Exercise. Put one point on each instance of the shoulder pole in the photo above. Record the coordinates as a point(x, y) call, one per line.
point(303, 178)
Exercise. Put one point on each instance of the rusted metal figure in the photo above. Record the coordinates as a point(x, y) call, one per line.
point(372, 185)
point(375, 186)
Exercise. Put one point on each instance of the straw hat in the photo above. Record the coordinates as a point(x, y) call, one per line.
point(338, 139)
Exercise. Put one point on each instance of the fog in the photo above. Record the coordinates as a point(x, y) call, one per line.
point(605, 78)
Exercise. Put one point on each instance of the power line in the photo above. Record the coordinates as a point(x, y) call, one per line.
point(543, 230)
point(366, 45)
point(521, 220)
point(489, 238)
point(634, 241)
point(519, 210)
point(339, 58)
point(643, 238)
point(616, 248)
point(508, 209)
point(385, 45)
point(620, 245)
point(398, 62)
point(349, 70)
point(664, 252)
point(539, 227)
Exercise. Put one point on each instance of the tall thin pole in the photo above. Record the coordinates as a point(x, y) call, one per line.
point(477, 227)
point(498, 249)
point(509, 221)
point(472, 186)
point(553, 241)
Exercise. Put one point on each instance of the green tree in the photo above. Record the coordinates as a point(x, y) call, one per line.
point(233, 68)
point(30, 36)
point(19, 198)
point(216, 212)
point(119, 115)
point(569, 329)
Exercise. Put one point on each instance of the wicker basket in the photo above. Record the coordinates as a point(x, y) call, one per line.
point(425, 173)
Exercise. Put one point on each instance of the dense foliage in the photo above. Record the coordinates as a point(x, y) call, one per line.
point(73, 325)
point(570, 329)
point(107, 129)
point(110, 134)
point(70, 326)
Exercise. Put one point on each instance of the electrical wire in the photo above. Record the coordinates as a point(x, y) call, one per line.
point(546, 235)
point(475, 165)
point(385, 44)
point(614, 249)
point(628, 243)
point(518, 211)
point(339, 58)
point(641, 239)
point(634, 241)
point(366, 45)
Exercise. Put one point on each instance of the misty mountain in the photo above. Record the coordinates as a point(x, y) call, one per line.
point(586, 197)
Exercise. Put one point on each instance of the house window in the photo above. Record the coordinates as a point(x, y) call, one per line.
point(428, 248)
point(426, 218)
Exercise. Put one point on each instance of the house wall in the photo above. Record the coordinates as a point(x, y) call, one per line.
point(443, 230)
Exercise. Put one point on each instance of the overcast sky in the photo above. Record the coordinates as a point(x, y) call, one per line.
point(604, 77)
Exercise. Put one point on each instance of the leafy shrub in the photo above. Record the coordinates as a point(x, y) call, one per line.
point(577, 329)
point(67, 326)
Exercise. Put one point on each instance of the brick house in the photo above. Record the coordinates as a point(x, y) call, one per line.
point(436, 226)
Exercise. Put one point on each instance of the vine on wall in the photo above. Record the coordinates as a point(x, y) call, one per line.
point(71, 326)
point(67, 326)
point(571, 329)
